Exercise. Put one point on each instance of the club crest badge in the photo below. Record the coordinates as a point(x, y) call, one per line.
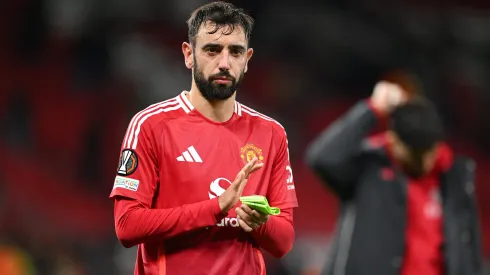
point(250, 151)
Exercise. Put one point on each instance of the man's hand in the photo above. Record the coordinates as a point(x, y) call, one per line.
point(231, 196)
point(386, 96)
point(250, 219)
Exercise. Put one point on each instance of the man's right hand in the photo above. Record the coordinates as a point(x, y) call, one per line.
point(386, 96)
point(231, 196)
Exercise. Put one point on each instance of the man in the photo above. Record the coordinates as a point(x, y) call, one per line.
point(185, 163)
point(407, 205)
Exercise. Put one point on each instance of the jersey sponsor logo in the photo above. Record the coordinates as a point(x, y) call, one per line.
point(126, 183)
point(216, 189)
point(233, 222)
point(128, 162)
point(250, 151)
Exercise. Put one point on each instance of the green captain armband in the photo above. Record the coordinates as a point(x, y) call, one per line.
point(260, 204)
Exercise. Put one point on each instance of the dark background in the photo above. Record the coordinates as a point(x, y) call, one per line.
point(73, 73)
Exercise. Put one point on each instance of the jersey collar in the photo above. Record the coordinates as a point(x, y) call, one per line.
point(188, 107)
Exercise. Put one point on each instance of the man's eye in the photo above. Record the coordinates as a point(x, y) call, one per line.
point(211, 50)
point(236, 51)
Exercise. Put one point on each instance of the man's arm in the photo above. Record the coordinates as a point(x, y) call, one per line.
point(137, 224)
point(276, 236)
point(334, 154)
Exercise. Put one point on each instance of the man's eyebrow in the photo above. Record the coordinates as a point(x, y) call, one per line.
point(211, 45)
point(237, 47)
point(219, 46)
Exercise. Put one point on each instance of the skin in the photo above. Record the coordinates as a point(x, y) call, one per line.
point(215, 53)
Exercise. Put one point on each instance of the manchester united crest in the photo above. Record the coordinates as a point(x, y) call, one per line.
point(250, 151)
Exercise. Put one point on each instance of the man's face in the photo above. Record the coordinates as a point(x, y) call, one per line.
point(219, 61)
point(414, 163)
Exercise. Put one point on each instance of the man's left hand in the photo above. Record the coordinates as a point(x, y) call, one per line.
point(250, 219)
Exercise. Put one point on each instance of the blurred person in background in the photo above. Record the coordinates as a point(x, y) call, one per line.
point(177, 190)
point(407, 205)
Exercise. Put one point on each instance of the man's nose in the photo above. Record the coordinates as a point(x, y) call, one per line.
point(224, 62)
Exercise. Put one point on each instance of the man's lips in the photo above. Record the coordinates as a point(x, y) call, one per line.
point(222, 80)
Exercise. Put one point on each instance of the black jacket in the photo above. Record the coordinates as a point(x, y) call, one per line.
point(371, 231)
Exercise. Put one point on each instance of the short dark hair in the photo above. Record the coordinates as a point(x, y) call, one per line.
point(221, 14)
point(417, 124)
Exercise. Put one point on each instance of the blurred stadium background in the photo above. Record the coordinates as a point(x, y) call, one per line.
point(73, 72)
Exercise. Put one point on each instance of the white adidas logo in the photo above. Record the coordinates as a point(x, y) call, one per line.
point(190, 155)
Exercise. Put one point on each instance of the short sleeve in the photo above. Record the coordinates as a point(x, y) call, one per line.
point(281, 192)
point(137, 170)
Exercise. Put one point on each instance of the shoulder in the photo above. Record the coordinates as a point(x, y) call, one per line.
point(146, 120)
point(157, 113)
point(256, 117)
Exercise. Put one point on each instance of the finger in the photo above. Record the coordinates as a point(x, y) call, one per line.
point(241, 179)
point(264, 218)
point(259, 217)
point(255, 168)
point(244, 225)
point(244, 216)
point(249, 165)
point(254, 215)
point(246, 208)
point(248, 219)
point(246, 169)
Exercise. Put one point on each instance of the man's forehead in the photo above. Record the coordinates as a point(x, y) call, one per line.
point(225, 33)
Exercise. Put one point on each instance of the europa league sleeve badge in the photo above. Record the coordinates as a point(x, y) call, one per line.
point(128, 162)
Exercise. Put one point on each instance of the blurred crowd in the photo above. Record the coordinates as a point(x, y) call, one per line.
point(73, 73)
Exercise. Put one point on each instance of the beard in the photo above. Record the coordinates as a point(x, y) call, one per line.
point(213, 91)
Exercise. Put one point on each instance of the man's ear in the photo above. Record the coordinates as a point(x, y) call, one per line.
point(250, 52)
point(188, 55)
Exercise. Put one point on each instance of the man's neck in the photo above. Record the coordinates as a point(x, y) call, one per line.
point(219, 110)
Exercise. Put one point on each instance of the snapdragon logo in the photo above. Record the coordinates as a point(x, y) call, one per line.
point(216, 189)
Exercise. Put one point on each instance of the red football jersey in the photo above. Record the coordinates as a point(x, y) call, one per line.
point(173, 156)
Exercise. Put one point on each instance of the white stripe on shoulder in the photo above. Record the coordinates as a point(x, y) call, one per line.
point(239, 108)
point(186, 101)
point(252, 112)
point(132, 125)
point(160, 110)
point(179, 99)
